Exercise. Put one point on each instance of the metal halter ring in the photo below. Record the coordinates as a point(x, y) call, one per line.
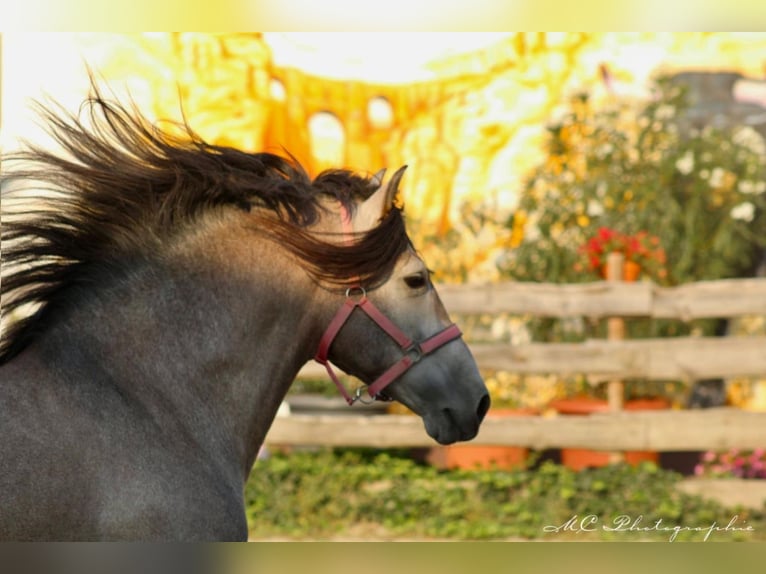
point(358, 397)
point(359, 288)
point(414, 352)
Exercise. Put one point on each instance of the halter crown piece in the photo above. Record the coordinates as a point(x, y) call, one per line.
point(412, 352)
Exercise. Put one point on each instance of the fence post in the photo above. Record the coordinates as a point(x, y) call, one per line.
point(615, 332)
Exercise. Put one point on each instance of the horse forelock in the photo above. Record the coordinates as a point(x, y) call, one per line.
point(123, 187)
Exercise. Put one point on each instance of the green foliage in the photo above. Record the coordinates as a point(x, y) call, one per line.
point(334, 493)
point(630, 167)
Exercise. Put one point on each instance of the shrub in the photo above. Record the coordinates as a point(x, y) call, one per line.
point(632, 166)
point(328, 493)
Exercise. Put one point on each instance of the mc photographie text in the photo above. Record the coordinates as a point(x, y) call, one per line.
point(637, 524)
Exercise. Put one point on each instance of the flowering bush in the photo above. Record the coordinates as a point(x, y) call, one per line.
point(641, 248)
point(638, 166)
point(733, 463)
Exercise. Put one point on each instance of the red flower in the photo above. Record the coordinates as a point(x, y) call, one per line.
point(641, 248)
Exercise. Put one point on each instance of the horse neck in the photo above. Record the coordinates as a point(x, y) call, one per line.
point(204, 343)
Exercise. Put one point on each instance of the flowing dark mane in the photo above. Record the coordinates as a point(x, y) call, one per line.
point(122, 187)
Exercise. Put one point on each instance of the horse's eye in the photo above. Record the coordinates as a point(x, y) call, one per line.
point(417, 281)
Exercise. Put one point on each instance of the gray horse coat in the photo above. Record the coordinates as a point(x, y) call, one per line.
point(156, 308)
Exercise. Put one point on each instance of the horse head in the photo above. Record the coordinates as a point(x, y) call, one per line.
point(398, 338)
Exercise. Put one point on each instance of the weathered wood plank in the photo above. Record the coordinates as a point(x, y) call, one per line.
point(722, 298)
point(720, 428)
point(597, 299)
point(681, 358)
point(368, 431)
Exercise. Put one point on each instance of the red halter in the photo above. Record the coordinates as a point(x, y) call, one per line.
point(412, 352)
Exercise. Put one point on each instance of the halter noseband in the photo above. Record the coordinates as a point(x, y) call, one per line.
point(412, 352)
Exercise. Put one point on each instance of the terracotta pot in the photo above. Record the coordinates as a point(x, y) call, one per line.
point(473, 457)
point(631, 271)
point(580, 458)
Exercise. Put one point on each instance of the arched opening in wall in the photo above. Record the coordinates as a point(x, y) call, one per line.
point(327, 141)
point(380, 113)
point(277, 90)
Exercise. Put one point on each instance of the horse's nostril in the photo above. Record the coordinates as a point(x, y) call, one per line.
point(483, 407)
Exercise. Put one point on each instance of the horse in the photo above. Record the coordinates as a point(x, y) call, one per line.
point(160, 294)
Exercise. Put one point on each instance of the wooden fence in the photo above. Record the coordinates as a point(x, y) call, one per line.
point(684, 358)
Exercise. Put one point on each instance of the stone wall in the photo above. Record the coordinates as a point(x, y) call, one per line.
point(471, 136)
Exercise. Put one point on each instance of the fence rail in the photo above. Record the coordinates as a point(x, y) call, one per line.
point(704, 299)
point(718, 428)
point(683, 358)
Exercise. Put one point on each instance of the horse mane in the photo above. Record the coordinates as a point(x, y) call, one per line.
point(123, 187)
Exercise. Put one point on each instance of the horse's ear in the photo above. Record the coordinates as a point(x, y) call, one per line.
point(382, 200)
point(377, 179)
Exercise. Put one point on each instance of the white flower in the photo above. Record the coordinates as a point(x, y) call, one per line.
point(595, 208)
point(744, 211)
point(746, 186)
point(751, 139)
point(499, 327)
point(685, 164)
point(716, 177)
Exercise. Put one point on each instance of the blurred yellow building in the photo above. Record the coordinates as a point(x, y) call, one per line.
point(466, 112)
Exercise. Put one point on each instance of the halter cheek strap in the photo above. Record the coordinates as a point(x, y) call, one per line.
point(411, 352)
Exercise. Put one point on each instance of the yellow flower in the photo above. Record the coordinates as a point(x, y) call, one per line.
point(517, 233)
